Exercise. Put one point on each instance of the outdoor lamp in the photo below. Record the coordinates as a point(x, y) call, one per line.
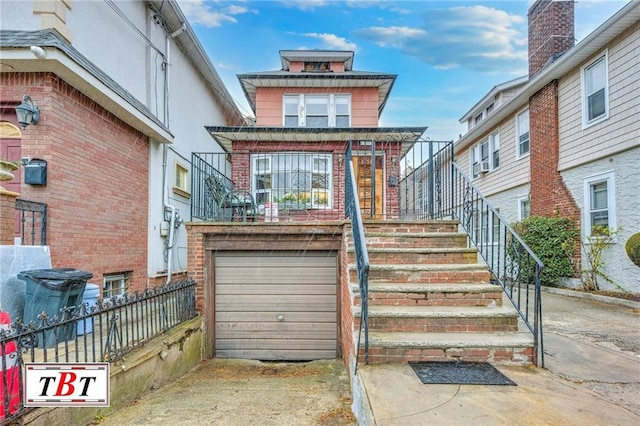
point(27, 112)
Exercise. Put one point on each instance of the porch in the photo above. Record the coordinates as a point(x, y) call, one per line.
point(421, 262)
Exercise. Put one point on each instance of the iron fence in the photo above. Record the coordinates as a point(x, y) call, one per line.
point(362, 256)
point(32, 222)
point(104, 332)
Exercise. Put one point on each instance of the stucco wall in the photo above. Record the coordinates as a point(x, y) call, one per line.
point(618, 266)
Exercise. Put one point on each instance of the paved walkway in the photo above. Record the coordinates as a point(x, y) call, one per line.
point(592, 377)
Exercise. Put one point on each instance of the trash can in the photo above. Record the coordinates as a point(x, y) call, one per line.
point(49, 290)
point(90, 297)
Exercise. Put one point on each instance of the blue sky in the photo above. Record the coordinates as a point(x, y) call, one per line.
point(447, 54)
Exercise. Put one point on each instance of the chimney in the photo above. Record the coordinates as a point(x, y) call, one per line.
point(551, 32)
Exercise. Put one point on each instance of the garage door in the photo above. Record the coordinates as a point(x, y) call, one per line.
point(275, 306)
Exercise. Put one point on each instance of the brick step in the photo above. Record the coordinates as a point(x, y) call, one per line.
point(439, 319)
point(411, 226)
point(415, 240)
point(496, 348)
point(441, 294)
point(418, 255)
point(424, 274)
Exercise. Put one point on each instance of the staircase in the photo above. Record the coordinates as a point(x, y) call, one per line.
point(431, 300)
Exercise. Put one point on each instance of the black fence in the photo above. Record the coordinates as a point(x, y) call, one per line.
point(32, 222)
point(104, 332)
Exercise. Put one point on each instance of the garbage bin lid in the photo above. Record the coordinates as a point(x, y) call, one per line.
point(57, 278)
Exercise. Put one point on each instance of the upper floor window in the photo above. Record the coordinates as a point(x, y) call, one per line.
point(181, 184)
point(522, 133)
point(317, 66)
point(599, 201)
point(477, 119)
point(332, 110)
point(485, 156)
point(595, 91)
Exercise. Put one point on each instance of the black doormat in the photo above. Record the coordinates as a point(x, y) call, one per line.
point(459, 373)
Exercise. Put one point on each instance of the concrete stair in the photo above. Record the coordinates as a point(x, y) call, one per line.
point(430, 299)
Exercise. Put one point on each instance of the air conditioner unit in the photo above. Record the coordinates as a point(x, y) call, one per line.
point(484, 167)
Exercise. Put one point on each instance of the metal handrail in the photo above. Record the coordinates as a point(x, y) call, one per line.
point(352, 211)
point(514, 266)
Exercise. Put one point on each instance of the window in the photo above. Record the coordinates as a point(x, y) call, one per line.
point(524, 207)
point(595, 93)
point(486, 227)
point(477, 119)
point(485, 156)
point(115, 284)
point(522, 133)
point(599, 201)
point(296, 180)
point(317, 110)
point(489, 109)
point(181, 184)
point(317, 66)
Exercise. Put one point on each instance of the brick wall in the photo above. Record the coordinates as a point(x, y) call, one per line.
point(97, 178)
point(551, 31)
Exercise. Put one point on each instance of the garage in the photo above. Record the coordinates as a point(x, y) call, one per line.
point(276, 305)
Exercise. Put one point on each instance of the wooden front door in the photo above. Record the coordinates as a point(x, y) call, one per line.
point(370, 181)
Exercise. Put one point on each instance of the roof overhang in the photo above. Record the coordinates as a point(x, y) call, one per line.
point(344, 56)
point(589, 46)
point(282, 79)
point(225, 136)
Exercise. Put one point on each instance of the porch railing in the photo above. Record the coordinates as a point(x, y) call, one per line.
point(352, 210)
point(104, 332)
point(33, 222)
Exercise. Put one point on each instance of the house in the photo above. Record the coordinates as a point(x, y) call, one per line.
point(283, 276)
point(567, 142)
point(124, 90)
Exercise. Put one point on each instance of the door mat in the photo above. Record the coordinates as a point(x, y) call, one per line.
point(459, 373)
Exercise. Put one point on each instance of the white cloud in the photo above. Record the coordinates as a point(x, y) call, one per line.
point(306, 4)
point(479, 38)
point(333, 41)
point(200, 12)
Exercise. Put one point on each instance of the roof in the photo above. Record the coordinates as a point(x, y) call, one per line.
point(488, 98)
point(288, 56)
point(226, 135)
point(593, 43)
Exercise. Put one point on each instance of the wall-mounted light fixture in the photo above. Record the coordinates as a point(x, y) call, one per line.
point(27, 112)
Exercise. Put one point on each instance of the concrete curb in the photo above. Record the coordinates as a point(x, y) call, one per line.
point(590, 296)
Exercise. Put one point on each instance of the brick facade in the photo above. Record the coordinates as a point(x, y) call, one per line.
point(551, 31)
point(97, 178)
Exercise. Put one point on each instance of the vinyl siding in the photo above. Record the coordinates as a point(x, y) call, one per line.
point(621, 131)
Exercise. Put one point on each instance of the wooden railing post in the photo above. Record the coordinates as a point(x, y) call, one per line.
point(7, 214)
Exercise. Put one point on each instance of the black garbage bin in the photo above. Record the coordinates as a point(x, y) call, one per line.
point(49, 290)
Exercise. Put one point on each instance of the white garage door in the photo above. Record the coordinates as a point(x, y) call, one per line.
point(275, 306)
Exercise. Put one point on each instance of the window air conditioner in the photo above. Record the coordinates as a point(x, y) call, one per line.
point(484, 167)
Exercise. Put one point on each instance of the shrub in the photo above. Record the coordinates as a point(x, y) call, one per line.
point(553, 240)
point(593, 247)
point(633, 248)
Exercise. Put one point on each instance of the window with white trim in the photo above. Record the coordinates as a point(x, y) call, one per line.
point(595, 91)
point(181, 184)
point(524, 207)
point(522, 133)
point(115, 284)
point(486, 227)
point(485, 156)
point(333, 110)
point(599, 201)
point(295, 180)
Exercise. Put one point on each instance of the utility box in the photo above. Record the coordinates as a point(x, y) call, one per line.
point(50, 290)
point(35, 172)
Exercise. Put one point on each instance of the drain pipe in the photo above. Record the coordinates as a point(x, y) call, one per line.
point(165, 186)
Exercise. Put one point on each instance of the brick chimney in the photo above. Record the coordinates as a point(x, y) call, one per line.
point(551, 32)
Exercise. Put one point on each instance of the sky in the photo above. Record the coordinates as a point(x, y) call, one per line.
point(447, 54)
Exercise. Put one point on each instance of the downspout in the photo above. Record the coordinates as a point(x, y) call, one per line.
point(165, 186)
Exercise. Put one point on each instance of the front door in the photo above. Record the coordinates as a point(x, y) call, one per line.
point(370, 181)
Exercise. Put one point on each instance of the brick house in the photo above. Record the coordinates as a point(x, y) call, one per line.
point(115, 133)
point(567, 140)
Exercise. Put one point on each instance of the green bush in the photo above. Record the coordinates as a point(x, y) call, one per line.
point(553, 240)
point(633, 248)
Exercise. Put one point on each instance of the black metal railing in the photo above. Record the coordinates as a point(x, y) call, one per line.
point(104, 332)
point(304, 185)
point(352, 210)
point(514, 266)
point(32, 223)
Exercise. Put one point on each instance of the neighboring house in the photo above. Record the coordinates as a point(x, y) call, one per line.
point(124, 91)
point(567, 141)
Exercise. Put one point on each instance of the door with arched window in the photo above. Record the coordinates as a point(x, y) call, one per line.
point(10, 149)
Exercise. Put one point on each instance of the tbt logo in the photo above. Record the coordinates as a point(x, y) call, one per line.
point(66, 385)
